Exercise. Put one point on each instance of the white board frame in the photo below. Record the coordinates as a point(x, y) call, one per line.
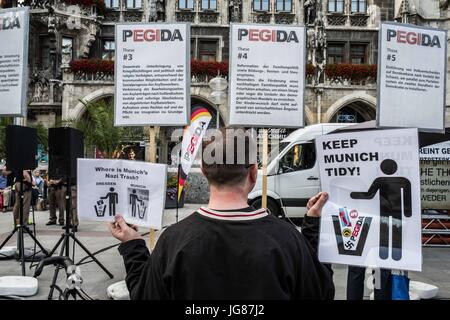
point(187, 68)
point(24, 73)
point(379, 74)
point(230, 59)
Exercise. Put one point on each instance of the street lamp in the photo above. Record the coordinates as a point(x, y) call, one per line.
point(218, 95)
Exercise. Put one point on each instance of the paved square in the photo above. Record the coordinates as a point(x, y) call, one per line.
point(95, 236)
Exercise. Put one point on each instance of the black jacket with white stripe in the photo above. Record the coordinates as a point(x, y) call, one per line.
point(245, 254)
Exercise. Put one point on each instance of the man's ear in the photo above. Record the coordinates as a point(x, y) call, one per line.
point(203, 170)
point(253, 173)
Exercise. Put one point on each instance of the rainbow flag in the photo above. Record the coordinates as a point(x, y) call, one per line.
point(192, 139)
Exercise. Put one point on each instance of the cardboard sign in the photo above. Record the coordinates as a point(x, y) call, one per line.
point(136, 190)
point(152, 68)
point(14, 28)
point(267, 75)
point(435, 176)
point(372, 217)
point(412, 71)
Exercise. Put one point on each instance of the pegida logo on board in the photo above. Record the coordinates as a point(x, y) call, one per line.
point(413, 38)
point(266, 35)
point(351, 231)
point(151, 35)
point(9, 22)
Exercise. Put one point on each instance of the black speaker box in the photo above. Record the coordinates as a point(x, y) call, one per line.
point(21, 148)
point(65, 147)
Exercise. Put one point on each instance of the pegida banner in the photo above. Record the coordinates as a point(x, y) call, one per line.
point(14, 29)
point(412, 71)
point(152, 74)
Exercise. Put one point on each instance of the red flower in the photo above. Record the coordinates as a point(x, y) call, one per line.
point(353, 72)
point(92, 66)
point(209, 68)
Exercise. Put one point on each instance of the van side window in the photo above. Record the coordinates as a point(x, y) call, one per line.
point(299, 157)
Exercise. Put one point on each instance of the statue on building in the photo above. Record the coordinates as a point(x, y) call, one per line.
point(310, 11)
point(374, 13)
point(311, 43)
point(235, 10)
point(40, 84)
point(444, 4)
point(157, 10)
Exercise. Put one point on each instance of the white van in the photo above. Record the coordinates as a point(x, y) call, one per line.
point(292, 172)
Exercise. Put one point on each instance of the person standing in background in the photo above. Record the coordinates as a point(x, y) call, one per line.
point(7, 192)
point(27, 186)
point(56, 193)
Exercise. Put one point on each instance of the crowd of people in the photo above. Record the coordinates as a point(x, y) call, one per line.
point(39, 193)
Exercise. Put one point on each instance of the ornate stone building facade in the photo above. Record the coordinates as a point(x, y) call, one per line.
point(339, 32)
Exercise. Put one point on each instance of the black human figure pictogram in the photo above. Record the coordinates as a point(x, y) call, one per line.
point(113, 198)
point(395, 194)
point(133, 201)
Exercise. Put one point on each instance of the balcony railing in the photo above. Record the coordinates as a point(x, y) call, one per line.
point(92, 70)
point(103, 70)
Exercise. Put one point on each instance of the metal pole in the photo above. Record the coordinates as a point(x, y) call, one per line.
point(20, 238)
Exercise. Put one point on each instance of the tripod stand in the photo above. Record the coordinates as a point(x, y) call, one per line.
point(20, 228)
point(65, 238)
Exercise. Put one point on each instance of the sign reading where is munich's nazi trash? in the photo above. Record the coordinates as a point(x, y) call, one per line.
point(134, 189)
point(411, 77)
point(152, 74)
point(14, 28)
point(267, 72)
point(372, 217)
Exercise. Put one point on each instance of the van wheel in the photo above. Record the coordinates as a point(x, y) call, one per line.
point(272, 206)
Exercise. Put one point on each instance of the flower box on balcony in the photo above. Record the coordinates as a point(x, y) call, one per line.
point(353, 73)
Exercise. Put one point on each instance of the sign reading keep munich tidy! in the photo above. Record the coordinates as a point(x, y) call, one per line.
point(152, 74)
point(267, 72)
point(411, 79)
point(14, 27)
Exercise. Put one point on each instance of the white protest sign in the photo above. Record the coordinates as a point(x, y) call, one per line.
point(412, 70)
point(438, 151)
point(372, 217)
point(435, 176)
point(267, 75)
point(14, 28)
point(152, 74)
point(134, 189)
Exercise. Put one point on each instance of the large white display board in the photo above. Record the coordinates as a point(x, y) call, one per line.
point(372, 217)
point(412, 71)
point(267, 75)
point(14, 28)
point(134, 189)
point(152, 74)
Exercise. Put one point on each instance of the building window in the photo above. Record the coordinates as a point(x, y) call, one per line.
point(209, 4)
point(358, 6)
point(261, 5)
point(108, 49)
point(67, 49)
point(335, 53)
point(113, 4)
point(186, 4)
point(207, 50)
point(336, 6)
point(134, 4)
point(44, 51)
point(284, 5)
point(358, 53)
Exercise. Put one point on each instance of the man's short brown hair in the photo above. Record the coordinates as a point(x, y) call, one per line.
point(227, 155)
